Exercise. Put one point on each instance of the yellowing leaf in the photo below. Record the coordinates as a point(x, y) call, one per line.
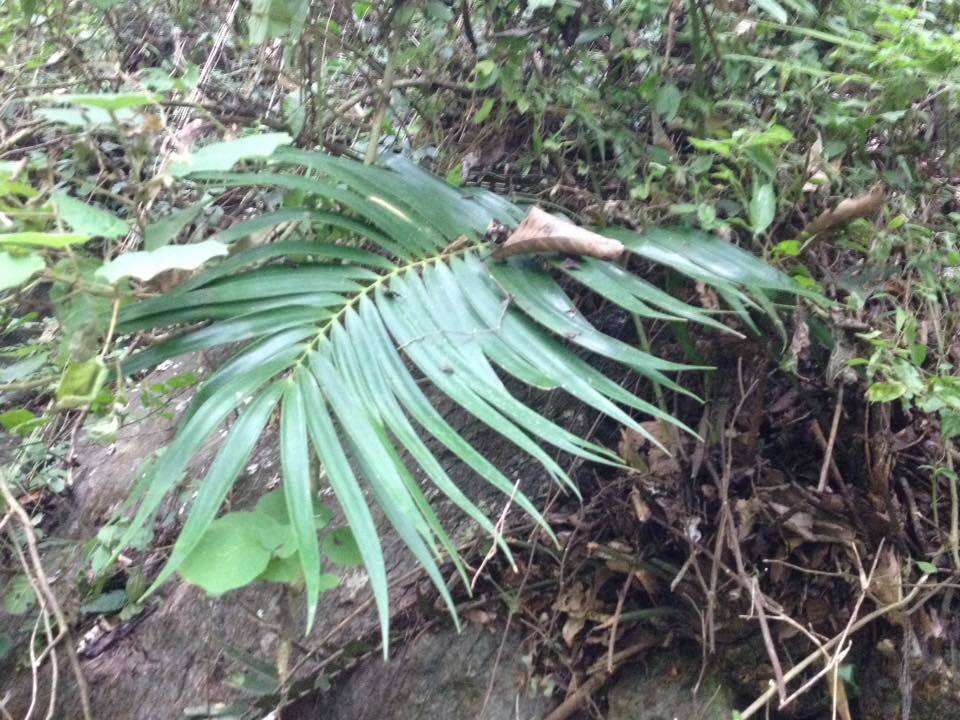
point(484, 112)
point(81, 383)
point(233, 552)
point(886, 391)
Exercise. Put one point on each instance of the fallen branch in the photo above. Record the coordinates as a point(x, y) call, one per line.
point(598, 678)
point(797, 669)
point(828, 463)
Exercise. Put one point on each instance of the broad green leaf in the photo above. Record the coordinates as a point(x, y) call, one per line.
point(760, 156)
point(232, 553)
point(788, 248)
point(283, 570)
point(224, 155)
point(763, 207)
point(667, 102)
point(86, 219)
point(19, 596)
point(106, 603)
point(773, 136)
point(21, 421)
point(341, 549)
point(720, 147)
point(23, 368)
point(86, 118)
point(886, 391)
point(949, 424)
point(55, 241)
point(147, 264)
point(15, 270)
point(83, 317)
point(274, 504)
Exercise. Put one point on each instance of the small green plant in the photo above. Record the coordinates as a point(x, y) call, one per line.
point(241, 547)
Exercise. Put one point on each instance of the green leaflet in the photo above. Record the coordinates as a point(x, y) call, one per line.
point(344, 484)
point(220, 478)
point(298, 491)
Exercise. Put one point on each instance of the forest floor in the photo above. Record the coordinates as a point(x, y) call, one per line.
point(805, 549)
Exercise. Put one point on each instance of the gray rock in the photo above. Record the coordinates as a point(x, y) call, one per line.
point(662, 689)
point(438, 675)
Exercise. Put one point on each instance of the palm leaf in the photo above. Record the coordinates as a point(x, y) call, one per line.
point(337, 333)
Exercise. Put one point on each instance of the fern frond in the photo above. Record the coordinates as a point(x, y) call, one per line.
point(332, 333)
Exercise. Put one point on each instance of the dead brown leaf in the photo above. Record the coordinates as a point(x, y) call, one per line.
point(630, 449)
point(541, 232)
point(640, 507)
point(638, 452)
point(886, 586)
point(478, 616)
point(817, 179)
point(571, 628)
point(847, 210)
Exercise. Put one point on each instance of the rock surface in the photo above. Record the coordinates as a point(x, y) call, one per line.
point(174, 657)
point(437, 675)
point(663, 689)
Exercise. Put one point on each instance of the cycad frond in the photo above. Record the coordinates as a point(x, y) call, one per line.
point(329, 333)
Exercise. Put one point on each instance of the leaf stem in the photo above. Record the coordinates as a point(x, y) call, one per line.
point(386, 87)
point(383, 279)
